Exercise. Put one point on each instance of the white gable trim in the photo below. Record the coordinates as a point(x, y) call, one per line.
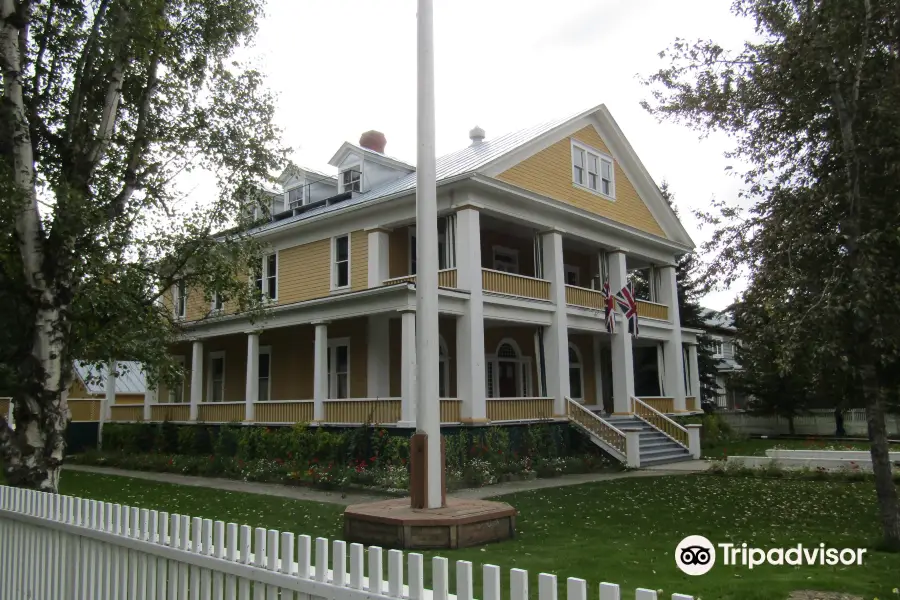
point(622, 152)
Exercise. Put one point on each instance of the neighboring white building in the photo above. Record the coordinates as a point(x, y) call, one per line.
point(719, 325)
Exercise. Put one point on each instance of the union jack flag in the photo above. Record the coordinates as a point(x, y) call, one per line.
point(626, 301)
point(610, 308)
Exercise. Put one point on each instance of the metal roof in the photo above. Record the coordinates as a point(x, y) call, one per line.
point(462, 162)
point(129, 379)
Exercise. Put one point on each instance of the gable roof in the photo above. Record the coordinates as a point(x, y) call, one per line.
point(130, 379)
point(486, 157)
point(348, 147)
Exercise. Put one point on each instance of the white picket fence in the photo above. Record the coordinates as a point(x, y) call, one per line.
point(56, 547)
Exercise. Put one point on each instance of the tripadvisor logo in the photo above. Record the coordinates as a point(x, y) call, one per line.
point(696, 555)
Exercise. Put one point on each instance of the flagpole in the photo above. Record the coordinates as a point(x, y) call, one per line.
point(427, 351)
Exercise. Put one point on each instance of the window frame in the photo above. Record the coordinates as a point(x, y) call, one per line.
point(209, 377)
point(512, 252)
point(601, 157)
point(333, 344)
point(267, 350)
point(261, 283)
point(179, 299)
point(718, 345)
point(444, 366)
point(217, 299)
point(443, 252)
point(179, 358)
point(580, 365)
point(334, 263)
point(523, 369)
point(355, 168)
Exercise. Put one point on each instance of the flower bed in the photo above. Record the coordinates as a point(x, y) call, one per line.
point(369, 458)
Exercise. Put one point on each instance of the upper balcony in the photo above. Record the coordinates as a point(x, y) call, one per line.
point(509, 255)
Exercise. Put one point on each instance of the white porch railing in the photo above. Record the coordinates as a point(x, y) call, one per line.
point(604, 433)
point(659, 421)
point(56, 547)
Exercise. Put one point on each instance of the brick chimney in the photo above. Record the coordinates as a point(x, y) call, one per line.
point(373, 140)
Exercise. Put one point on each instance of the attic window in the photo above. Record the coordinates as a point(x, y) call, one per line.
point(351, 180)
point(295, 196)
point(593, 170)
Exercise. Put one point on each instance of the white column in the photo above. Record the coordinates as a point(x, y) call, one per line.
point(694, 372)
point(674, 359)
point(556, 336)
point(379, 257)
point(428, 420)
point(470, 326)
point(251, 391)
point(196, 378)
point(407, 369)
point(320, 371)
point(110, 389)
point(622, 356)
point(598, 371)
point(378, 360)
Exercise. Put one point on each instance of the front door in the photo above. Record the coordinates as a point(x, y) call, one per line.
point(507, 383)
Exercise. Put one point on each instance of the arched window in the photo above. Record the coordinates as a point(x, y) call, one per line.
point(508, 372)
point(443, 370)
point(576, 374)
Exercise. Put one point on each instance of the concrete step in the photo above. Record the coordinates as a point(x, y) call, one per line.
point(665, 460)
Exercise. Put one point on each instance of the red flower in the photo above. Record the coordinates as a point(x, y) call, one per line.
point(290, 455)
point(372, 459)
point(171, 461)
point(315, 460)
point(279, 461)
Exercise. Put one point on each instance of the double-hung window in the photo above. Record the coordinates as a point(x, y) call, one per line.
point(340, 262)
point(266, 277)
point(216, 382)
point(218, 302)
point(593, 170)
point(295, 196)
point(339, 369)
point(180, 299)
point(265, 374)
point(351, 180)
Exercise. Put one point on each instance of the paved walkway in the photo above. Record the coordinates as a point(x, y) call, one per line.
point(336, 497)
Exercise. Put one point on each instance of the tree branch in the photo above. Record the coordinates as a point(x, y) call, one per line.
point(83, 67)
point(139, 143)
point(42, 47)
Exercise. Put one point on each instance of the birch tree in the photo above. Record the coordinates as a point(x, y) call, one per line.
point(814, 108)
point(106, 105)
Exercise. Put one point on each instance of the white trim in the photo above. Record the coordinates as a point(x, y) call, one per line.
point(511, 251)
point(209, 374)
point(331, 366)
point(334, 271)
point(268, 351)
point(577, 145)
point(573, 347)
point(179, 358)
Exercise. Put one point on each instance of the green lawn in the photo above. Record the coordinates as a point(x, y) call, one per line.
point(758, 447)
point(622, 531)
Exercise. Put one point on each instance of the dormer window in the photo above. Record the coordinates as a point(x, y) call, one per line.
point(295, 196)
point(351, 180)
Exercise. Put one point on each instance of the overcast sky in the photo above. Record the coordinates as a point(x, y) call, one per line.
point(341, 67)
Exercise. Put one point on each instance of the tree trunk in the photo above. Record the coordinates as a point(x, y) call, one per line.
point(33, 453)
point(885, 489)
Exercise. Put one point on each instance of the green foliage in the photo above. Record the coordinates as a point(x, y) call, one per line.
point(812, 109)
point(367, 456)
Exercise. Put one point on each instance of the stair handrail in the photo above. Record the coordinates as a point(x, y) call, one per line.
point(659, 421)
point(603, 429)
